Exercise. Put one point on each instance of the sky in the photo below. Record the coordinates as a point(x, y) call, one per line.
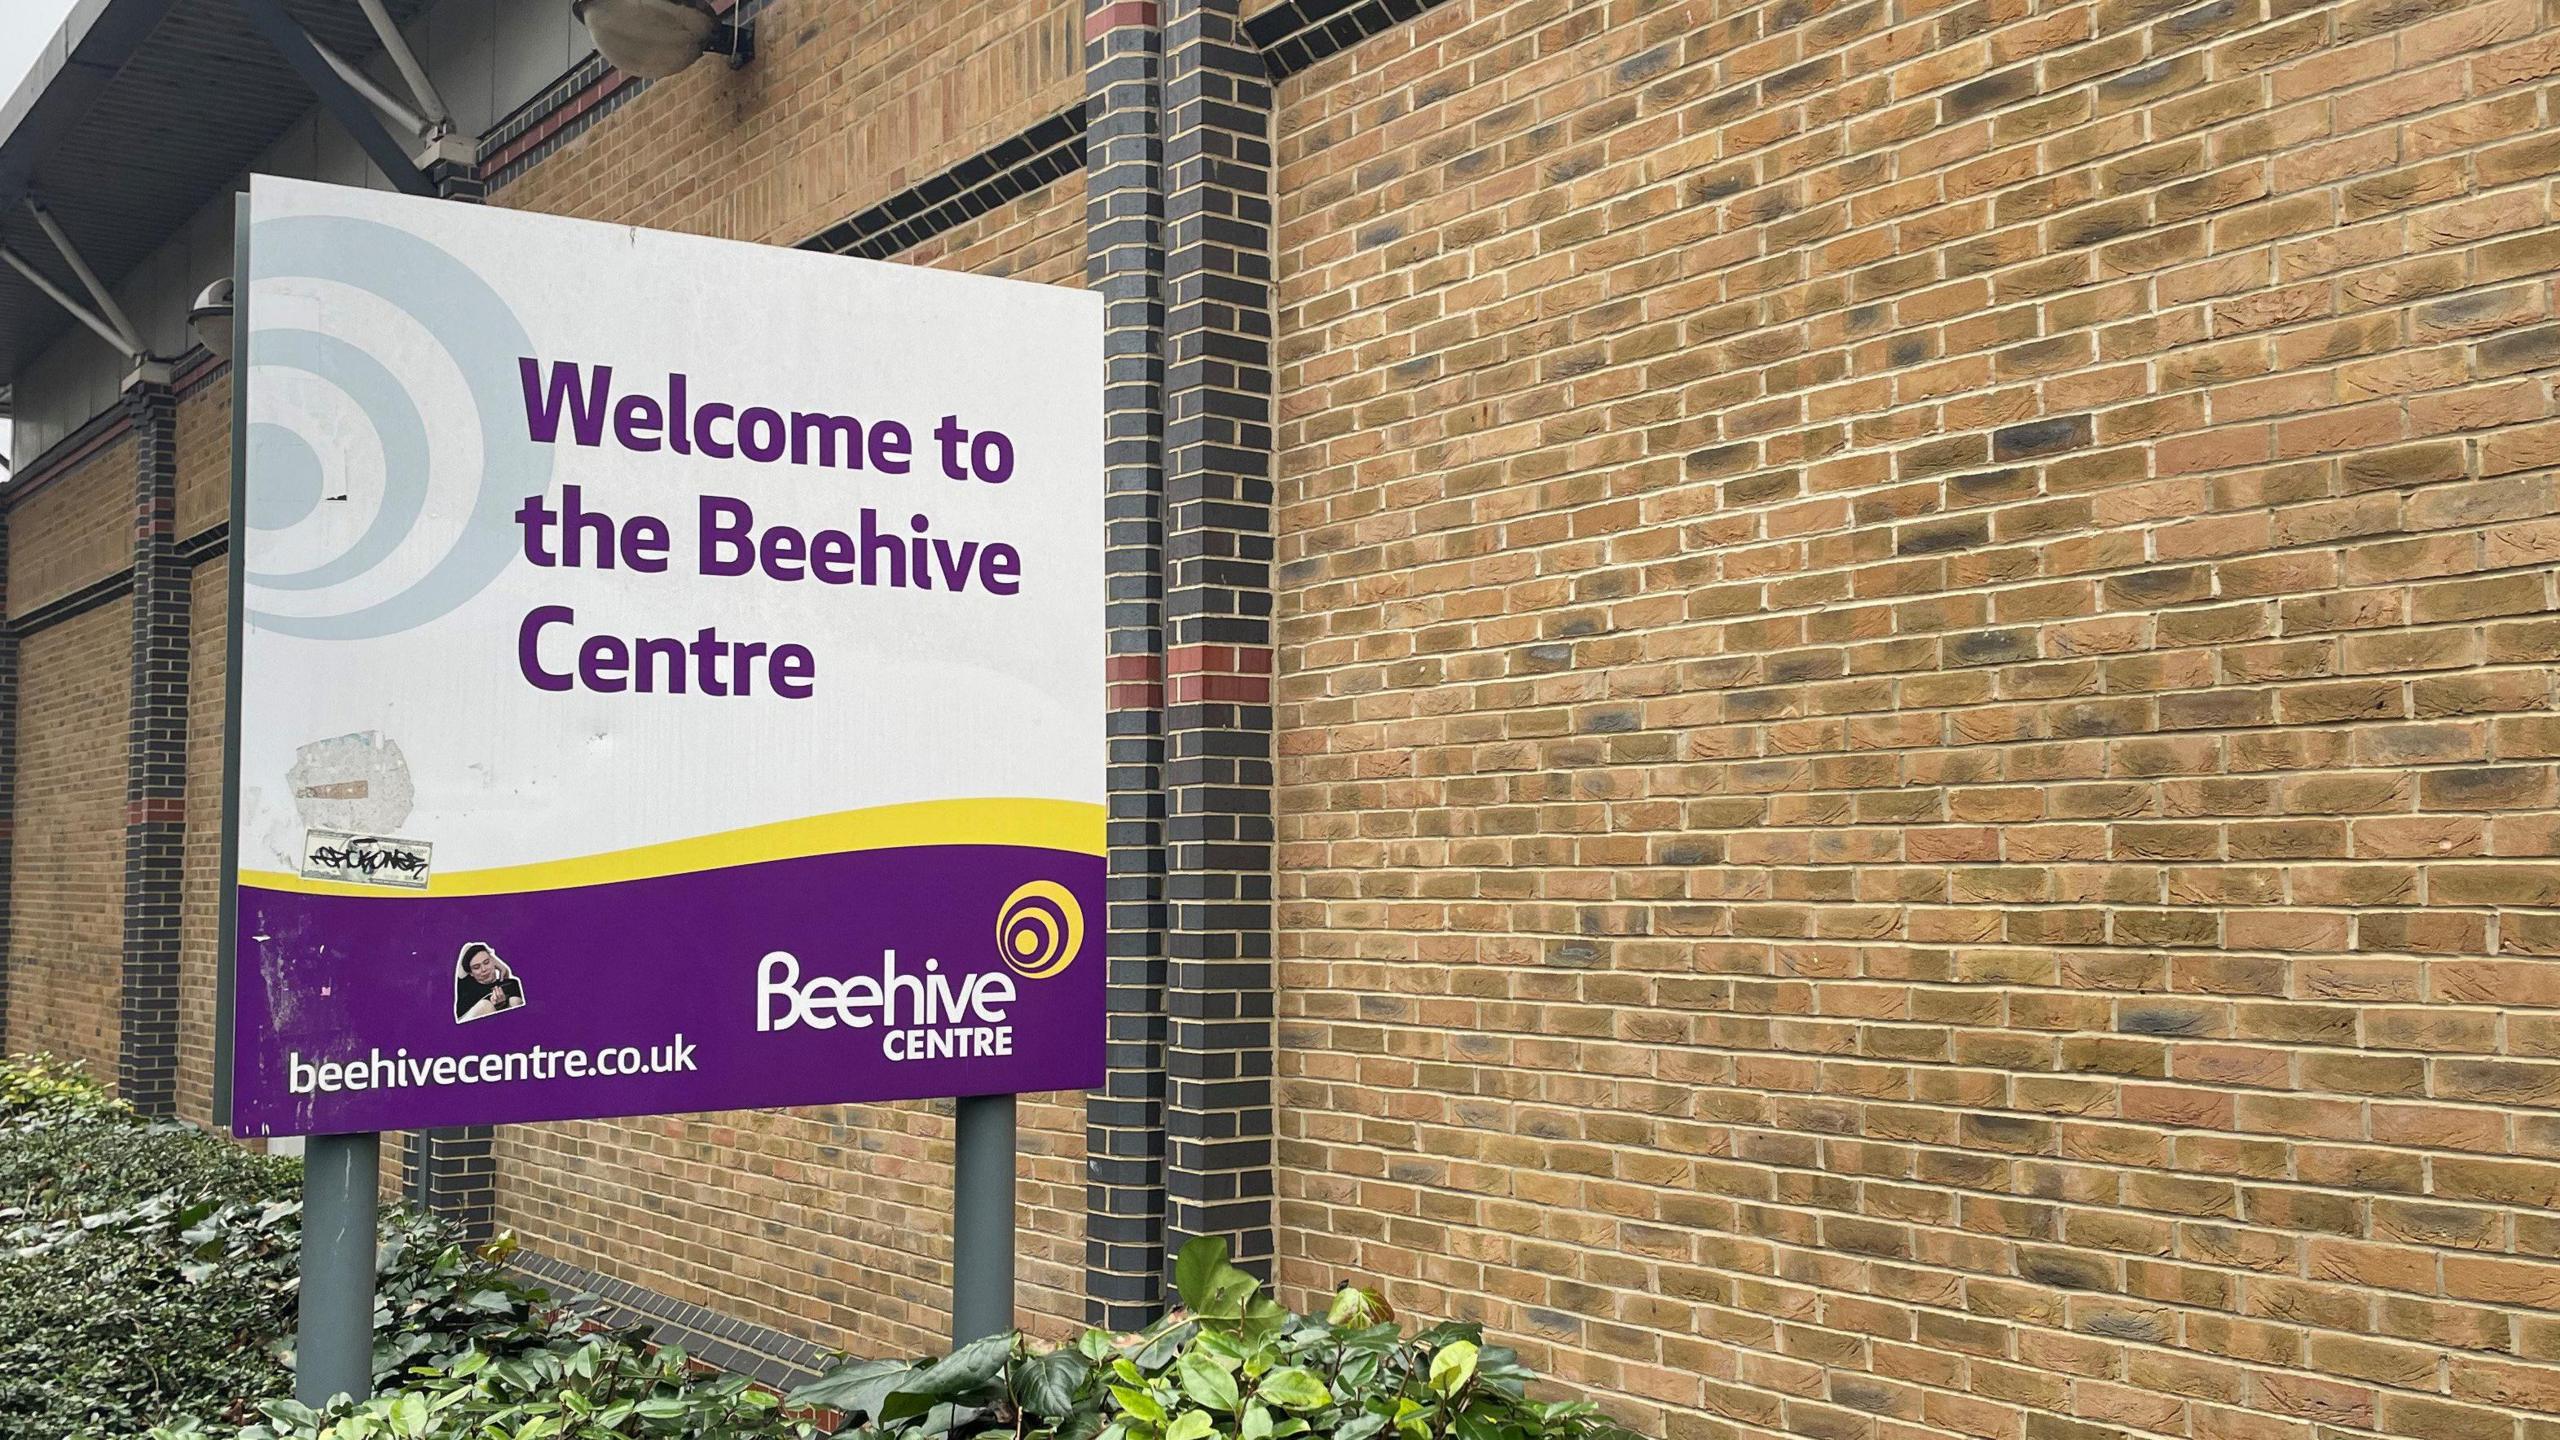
point(24, 27)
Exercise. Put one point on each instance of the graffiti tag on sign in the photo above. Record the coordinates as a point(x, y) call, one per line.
point(366, 859)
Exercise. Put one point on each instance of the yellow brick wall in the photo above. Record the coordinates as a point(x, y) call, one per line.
point(204, 455)
point(847, 103)
point(204, 500)
point(1917, 758)
point(199, 924)
point(76, 530)
point(66, 881)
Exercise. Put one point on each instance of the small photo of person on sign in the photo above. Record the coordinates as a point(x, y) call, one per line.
point(483, 985)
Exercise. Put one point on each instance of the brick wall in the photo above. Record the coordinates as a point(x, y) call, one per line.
point(204, 455)
point(75, 531)
point(832, 1223)
point(204, 500)
point(66, 886)
point(200, 928)
point(1918, 784)
point(846, 104)
point(66, 881)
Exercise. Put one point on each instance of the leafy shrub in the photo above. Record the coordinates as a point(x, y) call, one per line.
point(104, 1320)
point(1235, 1367)
point(46, 1082)
point(587, 1386)
point(101, 1329)
point(66, 1161)
point(150, 1270)
point(147, 1284)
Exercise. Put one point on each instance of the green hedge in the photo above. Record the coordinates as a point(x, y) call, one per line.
point(147, 1276)
point(103, 1326)
point(148, 1270)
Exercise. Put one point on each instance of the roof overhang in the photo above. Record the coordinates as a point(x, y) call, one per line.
point(137, 115)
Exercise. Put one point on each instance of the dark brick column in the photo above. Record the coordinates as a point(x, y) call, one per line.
point(1124, 260)
point(155, 772)
point(453, 1172)
point(1217, 676)
point(455, 174)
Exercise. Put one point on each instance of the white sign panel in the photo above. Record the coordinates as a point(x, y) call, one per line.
point(669, 672)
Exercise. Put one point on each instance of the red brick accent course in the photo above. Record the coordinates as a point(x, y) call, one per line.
point(1237, 674)
point(1113, 17)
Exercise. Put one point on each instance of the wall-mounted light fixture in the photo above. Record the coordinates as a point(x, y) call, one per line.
point(654, 39)
point(210, 318)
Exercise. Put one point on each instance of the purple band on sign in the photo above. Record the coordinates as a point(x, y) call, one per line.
point(877, 974)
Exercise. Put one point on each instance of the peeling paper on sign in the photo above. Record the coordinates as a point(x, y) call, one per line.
point(352, 785)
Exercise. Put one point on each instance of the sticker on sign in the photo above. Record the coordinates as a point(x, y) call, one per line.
point(366, 859)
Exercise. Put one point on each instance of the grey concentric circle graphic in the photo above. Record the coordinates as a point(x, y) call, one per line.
point(483, 337)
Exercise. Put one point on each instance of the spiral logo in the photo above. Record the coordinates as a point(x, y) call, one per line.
point(302, 458)
point(1040, 929)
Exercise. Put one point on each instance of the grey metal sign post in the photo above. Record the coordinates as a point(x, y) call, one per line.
point(333, 1343)
point(982, 1234)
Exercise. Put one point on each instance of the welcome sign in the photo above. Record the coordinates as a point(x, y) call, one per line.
point(667, 673)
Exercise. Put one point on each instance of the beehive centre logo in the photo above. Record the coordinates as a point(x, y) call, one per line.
point(1040, 929)
point(922, 1011)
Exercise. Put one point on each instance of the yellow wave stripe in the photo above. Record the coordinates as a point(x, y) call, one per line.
point(1067, 825)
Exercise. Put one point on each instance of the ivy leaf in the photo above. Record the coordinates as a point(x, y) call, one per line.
point(1206, 1382)
point(1196, 1268)
point(1139, 1404)
point(1358, 1307)
point(1160, 1351)
point(856, 1389)
point(1047, 1384)
point(955, 1377)
point(1294, 1387)
point(1453, 1367)
point(1360, 1427)
point(1211, 1288)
